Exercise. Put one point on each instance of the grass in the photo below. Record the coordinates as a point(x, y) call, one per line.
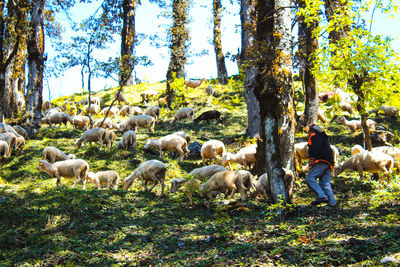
point(42, 225)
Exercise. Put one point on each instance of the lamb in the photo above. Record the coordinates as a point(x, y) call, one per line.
point(92, 135)
point(206, 171)
point(11, 140)
point(80, 121)
point(301, 154)
point(125, 111)
point(369, 161)
point(244, 157)
point(212, 149)
point(189, 187)
point(53, 154)
point(104, 178)
point(46, 105)
point(227, 182)
point(128, 139)
point(385, 110)
point(169, 143)
point(184, 135)
point(262, 185)
point(194, 84)
point(114, 111)
point(209, 115)
point(4, 149)
point(356, 125)
point(153, 111)
point(146, 95)
point(109, 138)
point(183, 113)
point(21, 131)
point(390, 150)
point(210, 91)
point(70, 168)
point(151, 170)
point(120, 97)
point(57, 118)
point(136, 121)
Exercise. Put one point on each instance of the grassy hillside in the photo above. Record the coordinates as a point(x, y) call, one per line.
point(43, 225)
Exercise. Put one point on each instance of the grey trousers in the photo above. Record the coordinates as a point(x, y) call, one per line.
point(323, 189)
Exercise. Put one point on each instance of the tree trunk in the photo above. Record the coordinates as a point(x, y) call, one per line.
point(178, 47)
point(35, 44)
point(127, 41)
point(2, 65)
point(308, 44)
point(248, 29)
point(275, 93)
point(221, 67)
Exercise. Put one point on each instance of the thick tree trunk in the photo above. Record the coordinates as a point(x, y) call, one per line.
point(221, 67)
point(127, 41)
point(308, 44)
point(178, 46)
point(248, 29)
point(2, 65)
point(275, 93)
point(35, 44)
point(334, 10)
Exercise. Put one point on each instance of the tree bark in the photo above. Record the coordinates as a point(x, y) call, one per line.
point(221, 67)
point(178, 47)
point(334, 10)
point(275, 93)
point(35, 44)
point(308, 44)
point(247, 13)
point(127, 41)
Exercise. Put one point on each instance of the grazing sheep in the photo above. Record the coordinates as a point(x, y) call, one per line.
point(3, 149)
point(369, 161)
point(114, 111)
point(57, 118)
point(19, 143)
point(5, 128)
point(245, 157)
point(120, 97)
point(92, 135)
point(53, 154)
point(183, 113)
point(21, 131)
point(212, 149)
point(390, 150)
point(356, 125)
point(80, 121)
point(194, 84)
point(93, 110)
point(52, 111)
point(209, 115)
point(210, 91)
point(184, 135)
point(70, 168)
point(109, 138)
point(385, 110)
point(11, 140)
point(345, 106)
point(153, 111)
point(262, 185)
point(189, 187)
point(169, 143)
point(46, 105)
point(104, 178)
point(206, 171)
point(136, 121)
point(148, 94)
point(107, 124)
point(128, 139)
point(137, 110)
point(227, 182)
point(151, 170)
point(125, 111)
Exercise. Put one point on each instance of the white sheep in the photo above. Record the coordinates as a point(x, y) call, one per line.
point(19, 143)
point(136, 110)
point(56, 118)
point(53, 154)
point(107, 124)
point(108, 178)
point(92, 135)
point(184, 135)
point(21, 131)
point(128, 139)
point(136, 121)
point(354, 125)
point(52, 111)
point(146, 95)
point(125, 111)
point(109, 138)
point(70, 168)
point(189, 187)
point(183, 113)
point(206, 171)
point(263, 187)
point(3, 149)
point(80, 121)
point(151, 170)
point(11, 140)
point(227, 182)
point(194, 84)
point(210, 91)
point(369, 161)
point(385, 110)
point(212, 149)
point(169, 143)
point(245, 157)
point(120, 97)
point(390, 150)
point(5, 128)
point(153, 111)
point(93, 110)
point(114, 111)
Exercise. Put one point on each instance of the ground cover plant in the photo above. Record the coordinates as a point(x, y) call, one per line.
point(42, 225)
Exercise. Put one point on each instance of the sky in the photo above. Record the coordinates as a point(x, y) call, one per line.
point(148, 21)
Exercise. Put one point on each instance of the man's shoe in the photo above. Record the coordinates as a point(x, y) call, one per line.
point(319, 201)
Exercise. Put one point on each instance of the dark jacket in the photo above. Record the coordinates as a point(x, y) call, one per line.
point(319, 149)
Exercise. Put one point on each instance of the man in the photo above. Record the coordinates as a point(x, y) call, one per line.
point(321, 165)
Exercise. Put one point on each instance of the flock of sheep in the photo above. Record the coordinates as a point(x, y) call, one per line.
point(209, 180)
